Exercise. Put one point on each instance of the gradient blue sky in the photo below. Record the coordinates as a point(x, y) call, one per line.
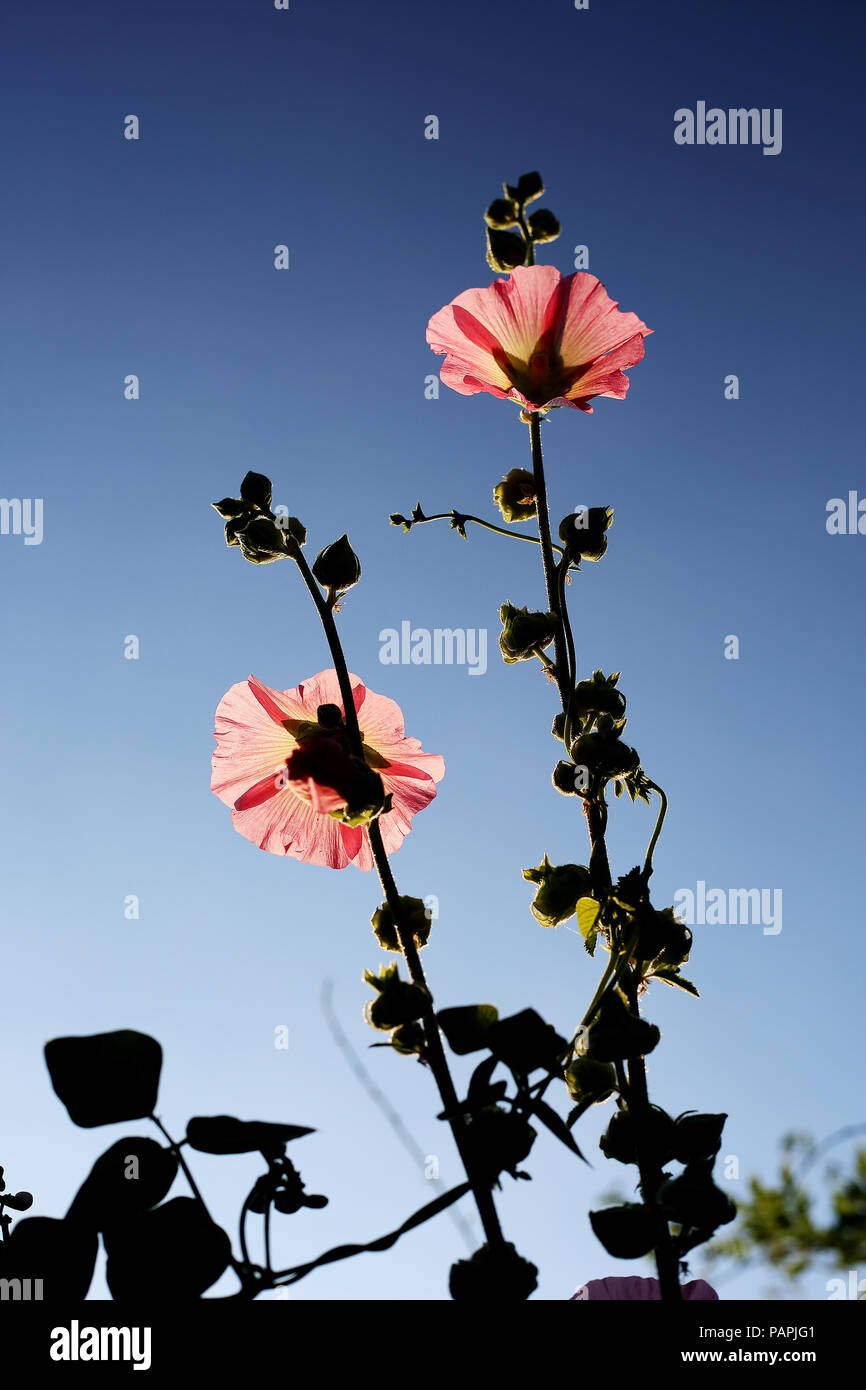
point(155, 257)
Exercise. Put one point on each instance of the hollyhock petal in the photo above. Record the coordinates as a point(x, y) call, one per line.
point(539, 338)
point(592, 324)
point(633, 1288)
point(293, 817)
point(250, 745)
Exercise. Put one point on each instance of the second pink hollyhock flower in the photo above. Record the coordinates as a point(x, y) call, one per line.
point(285, 775)
point(539, 338)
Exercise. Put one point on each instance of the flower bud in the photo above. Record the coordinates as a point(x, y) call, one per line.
point(567, 778)
point(697, 1136)
point(543, 226)
point(692, 1198)
point(515, 495)
point(524, 634)
point(397, 1001)
point(604, 754)
point(501, 213)
point(505, 250)
point(588, 1079)
point(261, 540)
point(616, 1034)
point(662, 938)
point(529, 187)
point(558, 892)
point(583, 532)
point(337, 567)
point(599, 696)
point(409, 1040)
point(494, 1274)
point(414, 917)
point(653, 1133)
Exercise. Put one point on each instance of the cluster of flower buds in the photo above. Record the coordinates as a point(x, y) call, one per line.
point(250, 523)
point(507, 248)
point(597, 751)
point(397, 1009)
point(281, 1186)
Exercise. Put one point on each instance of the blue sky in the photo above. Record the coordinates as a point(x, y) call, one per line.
point(155, 257)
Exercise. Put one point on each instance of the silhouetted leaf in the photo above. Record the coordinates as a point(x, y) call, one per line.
point(525, 1042)
point(167, 1255)
point(106, 1078)
point(60, 1253)
point(672, 976)
point(626, 1232)
point(129, 1178)
point(223, 1134)
point(467, 1027)
point(554, 1122)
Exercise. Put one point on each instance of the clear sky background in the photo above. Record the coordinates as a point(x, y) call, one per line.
point(155, 257)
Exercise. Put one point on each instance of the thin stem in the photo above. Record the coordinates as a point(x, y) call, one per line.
point(268, 1238)
point(488, 526)
point(648, 862)
point(175, 1148)
point(527, 236)
point(324, 611)
point(547, 561)
point(435, 1051)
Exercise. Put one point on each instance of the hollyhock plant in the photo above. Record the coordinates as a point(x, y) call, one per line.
point(283, 766)
point(539, 338)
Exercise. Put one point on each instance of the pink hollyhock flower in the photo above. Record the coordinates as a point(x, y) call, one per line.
point(633, 1288)
point(285, 774)
point(538, 338)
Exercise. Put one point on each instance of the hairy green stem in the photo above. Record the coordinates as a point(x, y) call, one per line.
point(435, 1051)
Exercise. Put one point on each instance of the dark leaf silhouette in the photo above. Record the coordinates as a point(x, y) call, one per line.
point(223, 1134)
point(525, 1042)
point(172, 1253)
point(466, 1028)
point(129, 1178)
point(106, 1078)
point(61, 1254)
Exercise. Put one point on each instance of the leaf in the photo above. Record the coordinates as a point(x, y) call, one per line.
point(576, 1111)
point(626, 1232)
point(223, 1134)
point(672, 976)
point(555, 1123)
point(129, 1178)
point(174, 1253)
point(106, 1078)
point(524, 1042)
point(60, 1253)
point(587, 915)
point(466, 1027)
point(479, 1092)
